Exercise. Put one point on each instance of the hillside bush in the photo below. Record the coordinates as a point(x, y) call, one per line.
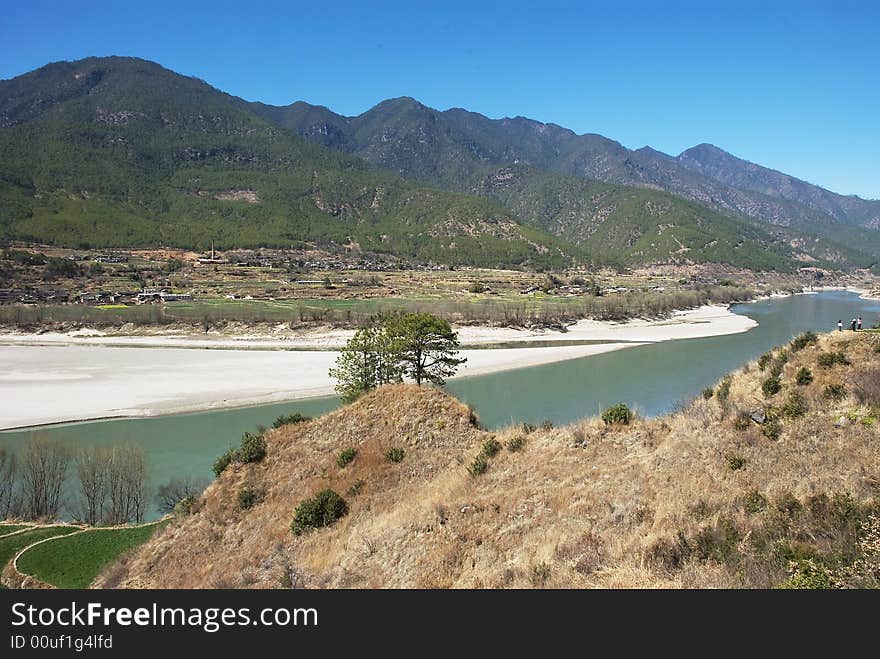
point(800, 342)
point(252, 449)
point(323, 509)
point(491, 447)
point(514, 444)
point(184, 506)
point(772, 429)
point(248, 497)
point(795, 405)
point(357, 487)
point(735, 462)
point(479, 466)
point(395, 454)
point(804, 376)
point(708, 392)
point(223, 461)
point(742, 421)
point(754, 502)
point(764, 360)
point(835, 392)
point(807, 574)
point(345, 457)
point(619, 414)
point(287, 419)
point(778, 364)
point(832, 358)
point(771, 386)
point(723, 392)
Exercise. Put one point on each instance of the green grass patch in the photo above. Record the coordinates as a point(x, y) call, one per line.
point(74, 562)
point(6, 529)
point(12, 544)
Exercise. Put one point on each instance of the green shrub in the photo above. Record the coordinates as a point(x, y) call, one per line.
point(772, 429)
point(808, 338)
point(708, 392)
point(618, 414)
point(346, 456)
point(771, 386)
point(836, 392)
point(287, 419)
point(754, 502)
point(528, 428)
point(788, 504)
point(764, 360)
point(323, 509)
point(795, 405)
point(724, 390)
point(478, 466)
point(248, 497)
point(477, 287)
point(804, 376)
point(807, 574)
point(491, 448)
point(514, 444)
point(778, 364)
point(547, 424)
point(224, 461)
point(184, 506)
point(742, 421)
point(253, 448)
point(735, 462)
point(357, 487)
point(719, 542)
point(830, 359)
point(395, 454)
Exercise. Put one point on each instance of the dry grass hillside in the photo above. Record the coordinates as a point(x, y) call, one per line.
point(741, 489)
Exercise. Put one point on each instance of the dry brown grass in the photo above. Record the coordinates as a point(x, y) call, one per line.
point(655, 504)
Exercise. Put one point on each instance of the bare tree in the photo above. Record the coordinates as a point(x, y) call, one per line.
point(45, 469)
point(177, 489)
point(10, 498)
point(126, 484)
point(92, 470)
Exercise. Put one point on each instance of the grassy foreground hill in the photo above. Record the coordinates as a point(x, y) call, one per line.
point(122, 152)
point(770, 479)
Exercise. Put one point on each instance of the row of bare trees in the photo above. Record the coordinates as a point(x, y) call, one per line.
point(109, 485)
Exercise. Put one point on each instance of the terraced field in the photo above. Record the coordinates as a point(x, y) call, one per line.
point(74, 561)
point(11, 544)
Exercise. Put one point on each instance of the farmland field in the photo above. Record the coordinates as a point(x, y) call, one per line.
point(75, 561)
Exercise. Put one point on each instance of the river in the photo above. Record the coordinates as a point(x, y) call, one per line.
point(652, 379)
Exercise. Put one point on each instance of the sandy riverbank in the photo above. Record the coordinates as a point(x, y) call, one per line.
point(709, 320)
point(56, 378)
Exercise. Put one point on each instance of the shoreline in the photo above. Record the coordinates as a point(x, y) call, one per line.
point(81, 379)
point(722, 320)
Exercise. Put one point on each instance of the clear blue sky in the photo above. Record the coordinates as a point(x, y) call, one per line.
point(790, 85)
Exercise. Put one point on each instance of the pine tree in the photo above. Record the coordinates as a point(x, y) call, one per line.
point(425, 346)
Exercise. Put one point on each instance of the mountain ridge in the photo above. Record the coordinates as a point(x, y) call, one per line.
point(595, 156)
point(122, 151)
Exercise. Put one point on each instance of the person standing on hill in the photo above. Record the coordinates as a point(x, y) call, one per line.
point(840, 325)
point(859, 328)
point(852, 325)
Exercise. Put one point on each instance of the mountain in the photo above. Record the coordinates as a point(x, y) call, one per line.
point(721, 166)
point(456, 149)
point(122, 152)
